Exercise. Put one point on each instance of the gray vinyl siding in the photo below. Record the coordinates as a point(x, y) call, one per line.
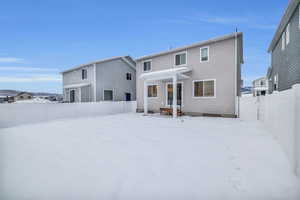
point(112, 76)
point(286, 63)
point(221, 67)
point(74, 77)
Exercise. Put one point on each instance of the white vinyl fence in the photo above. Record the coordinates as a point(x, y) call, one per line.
point(280, 113)
point(18, 114)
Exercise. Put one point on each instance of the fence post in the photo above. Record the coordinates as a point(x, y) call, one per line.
point(296, 95)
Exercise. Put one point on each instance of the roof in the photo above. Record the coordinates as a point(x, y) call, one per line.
point(293, 4)
point(77, 85)
point(126, 59)
point(202, 43)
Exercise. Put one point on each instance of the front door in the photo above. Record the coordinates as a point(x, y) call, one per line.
point(170, 94)
point(128, 96)
point(72, 96)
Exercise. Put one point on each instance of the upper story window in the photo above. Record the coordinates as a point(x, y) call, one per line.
point(283, 41)
point(287, 34)
point(262, 83)
point(205, 88)
point(152, 91)
point(128, 76)
point(204, 54)
point(83, 74)
point(180, 59)
point(147, 66)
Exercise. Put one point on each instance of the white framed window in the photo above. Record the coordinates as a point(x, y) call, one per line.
point(287, 34)
point(204, 88)
point(128, 76)
point(283, 41)
point(147, 65)
point(108, 95)
point(83, 74)
point(180, 59)
point(152, 91)
point(204, 54)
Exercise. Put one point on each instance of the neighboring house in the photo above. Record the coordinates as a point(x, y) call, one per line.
point(23, 96)
point(207, 76)
point(260, 86)
point(285, 50)
point(111, 79)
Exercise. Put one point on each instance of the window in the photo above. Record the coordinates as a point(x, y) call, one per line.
point(128, 76)
point(108, 95)
point(204, 54)
point(204, 88)
point(283, 41)
point(84, 74)
point(147, 66)
point(287, 34)
point(180, 59)
point(262, 83)
point(152, 91)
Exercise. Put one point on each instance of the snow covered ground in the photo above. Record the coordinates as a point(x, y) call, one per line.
point(35, 100)
point(130, 156)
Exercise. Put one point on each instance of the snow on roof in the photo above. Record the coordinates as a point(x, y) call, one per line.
point(77, 85)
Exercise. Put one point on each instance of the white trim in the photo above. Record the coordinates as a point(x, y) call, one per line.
point(113, 94)
point(208, 54)
point(299, 16)
point(76, 85)
point(166, 92)
point(287, 34)
point(149, 60)
point(205, 97)
point(157, 86)
point(283, 41)
point(186, 58)
point(127, 62)
point(236, 111)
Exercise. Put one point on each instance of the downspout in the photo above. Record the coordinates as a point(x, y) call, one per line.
point(95, 84)
point(235, 76)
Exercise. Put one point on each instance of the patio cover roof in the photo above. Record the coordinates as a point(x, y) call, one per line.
point(166, 74)
point(80, 85)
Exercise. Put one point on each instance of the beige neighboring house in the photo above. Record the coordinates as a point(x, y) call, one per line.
point(23, 96)
point(260, 86)
point(207, 75)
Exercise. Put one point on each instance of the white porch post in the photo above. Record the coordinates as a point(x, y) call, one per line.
point(175, 96)
point(145, 98)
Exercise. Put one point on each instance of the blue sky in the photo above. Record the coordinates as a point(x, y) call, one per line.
point(41, 38)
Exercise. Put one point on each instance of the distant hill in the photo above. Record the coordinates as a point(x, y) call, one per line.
point(246, 90)
point(15, 92)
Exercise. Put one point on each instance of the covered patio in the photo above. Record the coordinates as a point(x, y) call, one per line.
point(174, 75)
point(78, 92)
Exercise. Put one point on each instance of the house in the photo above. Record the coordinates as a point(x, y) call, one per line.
point(260, 86)
point(111, 79)
point(207, 76)
point(23, 96)
point(285, 50)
